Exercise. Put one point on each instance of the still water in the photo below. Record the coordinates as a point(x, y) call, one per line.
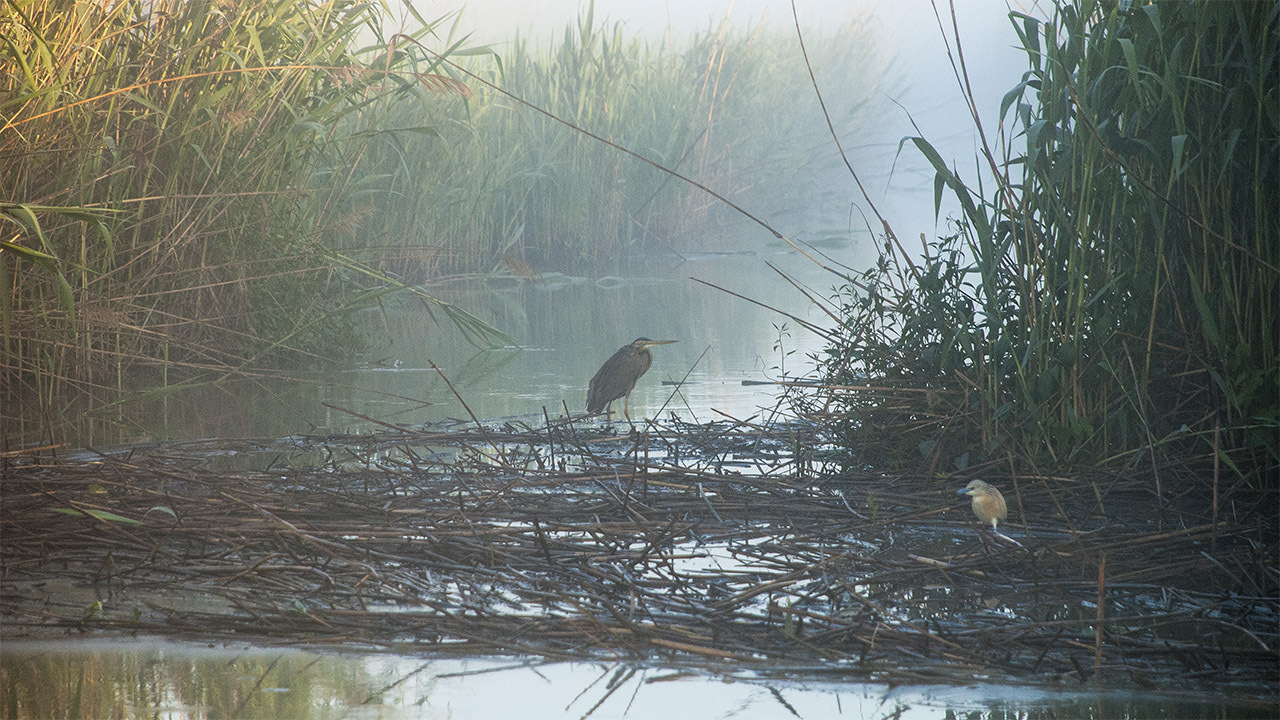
point(565, 328)
point(163, 680)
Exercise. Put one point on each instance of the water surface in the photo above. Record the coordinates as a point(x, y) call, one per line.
point(157, 679)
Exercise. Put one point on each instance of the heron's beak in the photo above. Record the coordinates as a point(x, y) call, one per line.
point(651, 343)
point(963, 491)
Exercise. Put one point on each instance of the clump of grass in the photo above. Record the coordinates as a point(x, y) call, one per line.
point(1113, 297)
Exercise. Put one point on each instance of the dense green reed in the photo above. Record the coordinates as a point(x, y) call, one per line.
point(1114, 295)
point(498, 185)
point(160, 161)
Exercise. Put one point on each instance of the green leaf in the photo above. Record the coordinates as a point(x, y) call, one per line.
point(1011, 97)
point(33, 255)
point(980, 222)
point(1202, 306)
point(1179, 143)
point(144, 101)
point(161, 508)
point(99, 514)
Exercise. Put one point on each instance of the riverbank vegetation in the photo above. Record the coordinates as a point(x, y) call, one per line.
point(197, 189)
point(168, 186)
point(1109, 295)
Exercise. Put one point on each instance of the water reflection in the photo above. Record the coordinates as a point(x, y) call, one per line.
point(151, 679)
point(565, 327)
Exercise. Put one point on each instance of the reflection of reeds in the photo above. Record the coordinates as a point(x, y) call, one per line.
point(1113, 296)
point(37, 679)
point(703, 543)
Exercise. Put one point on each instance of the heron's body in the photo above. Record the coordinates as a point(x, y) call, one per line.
point(988, 503)
point(617, 377)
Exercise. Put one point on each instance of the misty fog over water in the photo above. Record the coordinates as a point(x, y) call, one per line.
point(566, 325)
point(923, 99)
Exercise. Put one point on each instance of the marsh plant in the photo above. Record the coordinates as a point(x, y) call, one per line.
point(162, 165)
point(191, 190)
point(499, 185)
point(1112, 295)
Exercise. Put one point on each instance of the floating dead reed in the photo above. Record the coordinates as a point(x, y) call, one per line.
point(695, 544)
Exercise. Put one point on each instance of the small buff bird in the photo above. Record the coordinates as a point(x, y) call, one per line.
point(988, 503)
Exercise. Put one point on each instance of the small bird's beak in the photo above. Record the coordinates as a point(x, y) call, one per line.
point(651, 343)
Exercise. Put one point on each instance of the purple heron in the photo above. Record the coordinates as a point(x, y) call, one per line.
point(617, 377)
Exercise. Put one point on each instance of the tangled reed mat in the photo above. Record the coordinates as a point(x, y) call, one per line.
point(700, 545)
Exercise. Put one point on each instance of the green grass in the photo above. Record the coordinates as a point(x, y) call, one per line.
point(159, 165)
point(1113, 298)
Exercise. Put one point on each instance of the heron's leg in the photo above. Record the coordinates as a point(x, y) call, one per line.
point(626, 408)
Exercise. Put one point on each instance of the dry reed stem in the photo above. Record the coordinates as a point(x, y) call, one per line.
point(566, 543)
